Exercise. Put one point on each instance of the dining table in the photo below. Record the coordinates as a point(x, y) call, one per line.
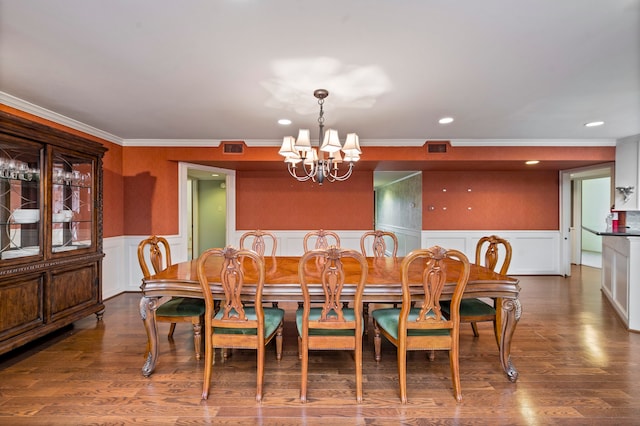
point(383, 285)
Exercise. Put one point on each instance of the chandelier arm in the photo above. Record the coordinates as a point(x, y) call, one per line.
point(347, 174)
point(292, 172)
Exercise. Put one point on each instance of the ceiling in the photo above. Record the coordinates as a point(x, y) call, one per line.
point(228, 70)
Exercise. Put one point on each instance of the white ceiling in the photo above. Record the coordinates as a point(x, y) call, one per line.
point(167, 69)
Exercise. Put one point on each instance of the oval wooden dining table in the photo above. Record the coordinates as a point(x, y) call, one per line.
point(281, 285)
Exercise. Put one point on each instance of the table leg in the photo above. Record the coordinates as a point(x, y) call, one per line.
point(511, 311)
point(148, 306)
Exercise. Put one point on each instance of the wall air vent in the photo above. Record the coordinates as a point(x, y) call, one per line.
point(233, 147)
point(437, 147)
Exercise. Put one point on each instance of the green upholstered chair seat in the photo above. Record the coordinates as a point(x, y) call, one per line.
point(181, 307)
point(272, 319)
point(388, 318)
point(470, 308)
point(314, 314)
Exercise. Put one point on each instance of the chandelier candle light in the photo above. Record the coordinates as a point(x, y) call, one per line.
point(314, 165)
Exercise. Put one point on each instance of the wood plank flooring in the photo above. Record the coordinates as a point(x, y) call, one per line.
point(577, 363)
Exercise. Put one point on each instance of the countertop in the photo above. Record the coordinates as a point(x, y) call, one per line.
point(615, 232)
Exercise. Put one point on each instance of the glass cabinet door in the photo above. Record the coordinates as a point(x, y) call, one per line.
point(20, 201)
point(72, 203)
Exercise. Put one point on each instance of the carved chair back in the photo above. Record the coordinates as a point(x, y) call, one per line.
point(157, 251)
point(378, 244)
point(258, 243)
point(322, 238)
point(493, 251)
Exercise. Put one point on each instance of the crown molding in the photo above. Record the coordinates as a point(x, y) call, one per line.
point(205, 143)
point(38, 111)
point(533, 142)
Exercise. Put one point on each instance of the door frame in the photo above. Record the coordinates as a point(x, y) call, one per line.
point(183, 214)
point(571, 227)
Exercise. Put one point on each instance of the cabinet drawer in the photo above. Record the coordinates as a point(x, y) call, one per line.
point(72, 290)
point(20, 305)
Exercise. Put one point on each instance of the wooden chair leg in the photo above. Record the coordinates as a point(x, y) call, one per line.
point(172, 328)
point(474, 327)
point(358, 358)
point(208, 366)
point(365, 318)
point(431, 355)
point(279, 343)
point(304, 366)
point(377, 341)
point(299, 347)
point(455, 373)
point(402, 374)
point(260, 373)
point(197, 336)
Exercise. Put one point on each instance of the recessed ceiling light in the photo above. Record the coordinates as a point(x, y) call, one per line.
point(531, 162)
point(445, 120)
point(594, 124)
point(284, 121)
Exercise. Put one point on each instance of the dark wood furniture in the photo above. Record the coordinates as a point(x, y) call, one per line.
point(330, 326)
point(50, 230)
point(281, 284)
point(424, 327)
point(157, 252)
point(235, 325)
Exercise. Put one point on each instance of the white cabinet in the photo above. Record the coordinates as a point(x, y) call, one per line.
point(621, 277)
point(627, 174)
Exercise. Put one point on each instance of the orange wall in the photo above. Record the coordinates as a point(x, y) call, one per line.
point(141, 192)
point(274, 200)
point(478, 200)
point(113, 190)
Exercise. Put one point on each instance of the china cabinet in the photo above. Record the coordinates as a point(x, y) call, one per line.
point(50, 230)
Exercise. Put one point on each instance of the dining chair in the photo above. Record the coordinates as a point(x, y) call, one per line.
point(376, 240)
point(322, 239)
point(331, 326)
point(378, 243)
point(178, 309)
point(258, 243)
point(234, 325)
point(424, 327)
point(494, 253)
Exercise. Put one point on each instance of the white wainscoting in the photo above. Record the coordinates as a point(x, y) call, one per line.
point(534, 252)
point(120, 269)
point(408, 238)
point(290, 242)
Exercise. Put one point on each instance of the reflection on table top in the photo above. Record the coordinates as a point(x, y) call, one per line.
point(281, 282)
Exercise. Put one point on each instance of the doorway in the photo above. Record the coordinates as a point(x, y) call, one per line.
point(586, 199)
point(207, 207)
point(398, 207)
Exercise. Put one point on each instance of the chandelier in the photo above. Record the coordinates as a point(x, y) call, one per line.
point(314, 165)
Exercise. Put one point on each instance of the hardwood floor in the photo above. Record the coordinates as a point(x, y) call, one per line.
point(577, 363)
